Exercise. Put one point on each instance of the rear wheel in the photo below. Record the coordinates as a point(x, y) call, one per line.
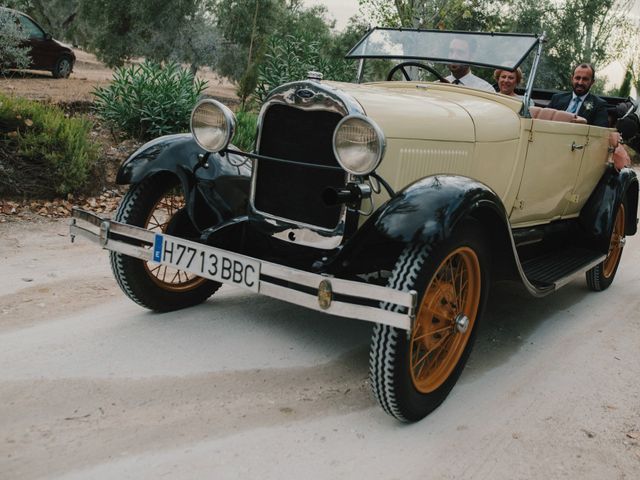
point(601, 276)
point(411, 373)
point(157, 204)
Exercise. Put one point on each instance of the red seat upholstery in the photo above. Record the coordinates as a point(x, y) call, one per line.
point(555, 115)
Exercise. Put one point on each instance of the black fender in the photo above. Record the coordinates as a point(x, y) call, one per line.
point(215, 193)
point(598, 214)
point(426, 211)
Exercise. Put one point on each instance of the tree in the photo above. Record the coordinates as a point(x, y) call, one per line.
point(585, 31)
point(432, 14)
point(625, 88)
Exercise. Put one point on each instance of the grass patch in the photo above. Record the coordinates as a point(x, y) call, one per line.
point(43, 152)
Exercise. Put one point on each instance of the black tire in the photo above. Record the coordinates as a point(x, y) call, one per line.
point(63, 67)
point(401, 390)
point(601, 276)
point(141, 281)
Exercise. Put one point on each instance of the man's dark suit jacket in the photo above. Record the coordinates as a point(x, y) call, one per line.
point(595, 115)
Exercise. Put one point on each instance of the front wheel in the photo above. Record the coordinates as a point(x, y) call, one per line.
point(601, 276)
point(157, 204)
point(63, 68)
point(411, 373)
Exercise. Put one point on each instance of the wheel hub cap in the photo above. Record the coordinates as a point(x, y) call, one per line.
point(462, 323)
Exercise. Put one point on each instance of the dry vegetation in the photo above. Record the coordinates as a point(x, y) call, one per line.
point(74, 95)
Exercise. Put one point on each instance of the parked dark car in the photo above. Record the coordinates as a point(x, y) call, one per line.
point(46, 52)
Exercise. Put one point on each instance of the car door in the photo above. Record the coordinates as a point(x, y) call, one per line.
point(593, 165)
point(42, 56)
point(552, 164)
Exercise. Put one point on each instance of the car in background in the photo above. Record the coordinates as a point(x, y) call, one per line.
point(46, 53)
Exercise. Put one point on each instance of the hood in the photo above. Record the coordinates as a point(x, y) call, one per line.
point(64, 46)
point(422, 111)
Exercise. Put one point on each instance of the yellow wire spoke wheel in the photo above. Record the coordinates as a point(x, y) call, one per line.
point(601, 276)
point(160, 216)
point(615, 247)
point(157, 204)
point(445, 319)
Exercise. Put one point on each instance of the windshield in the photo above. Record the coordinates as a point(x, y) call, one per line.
point(495, 50)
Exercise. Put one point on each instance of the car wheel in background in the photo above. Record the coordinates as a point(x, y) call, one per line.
point(63, 67)
point(601, 276)
point(411, 373)
point(157, 204)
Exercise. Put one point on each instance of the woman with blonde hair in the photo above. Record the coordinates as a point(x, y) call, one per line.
point(507, 81)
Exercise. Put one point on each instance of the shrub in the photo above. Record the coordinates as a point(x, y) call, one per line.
point(245, 135)
point(290, 58)
point(149, 100)
point(42, 152)
point(13, 52)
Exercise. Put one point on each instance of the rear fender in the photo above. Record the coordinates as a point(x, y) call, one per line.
point(214, 193)
point(598, 214)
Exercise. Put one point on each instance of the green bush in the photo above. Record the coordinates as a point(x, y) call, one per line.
point(42, 152)
point(13, 51)
point(245, 135)
point(149, 100)
point(288, 59)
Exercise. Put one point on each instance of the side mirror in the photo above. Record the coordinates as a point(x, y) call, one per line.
point(47, 36)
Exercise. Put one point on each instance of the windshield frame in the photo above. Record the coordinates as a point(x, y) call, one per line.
point(535, 37)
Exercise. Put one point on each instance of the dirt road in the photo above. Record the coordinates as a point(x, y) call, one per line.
point(89, 73)
point(93, 386)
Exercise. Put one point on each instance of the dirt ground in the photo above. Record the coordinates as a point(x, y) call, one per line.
point(243, 386)
point(88, 73)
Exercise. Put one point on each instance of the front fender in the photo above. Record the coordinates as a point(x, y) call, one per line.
point(176, 154)
point(214, 193)
point(426, 211)
point(598, 214)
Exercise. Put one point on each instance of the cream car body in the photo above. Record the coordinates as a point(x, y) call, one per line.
point(396, 202)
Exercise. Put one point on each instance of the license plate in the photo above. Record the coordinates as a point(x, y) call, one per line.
point(207, 262)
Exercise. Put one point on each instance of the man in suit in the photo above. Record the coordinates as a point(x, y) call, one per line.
point(580, 102)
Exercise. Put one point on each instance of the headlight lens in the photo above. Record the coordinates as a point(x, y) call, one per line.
point(212, 125)
point(358, 144)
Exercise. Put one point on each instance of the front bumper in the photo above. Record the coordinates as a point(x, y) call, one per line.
point(344, 298)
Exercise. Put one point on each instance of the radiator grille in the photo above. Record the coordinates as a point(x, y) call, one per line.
point(293, 190)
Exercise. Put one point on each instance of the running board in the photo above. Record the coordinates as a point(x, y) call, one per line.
point(554, 270)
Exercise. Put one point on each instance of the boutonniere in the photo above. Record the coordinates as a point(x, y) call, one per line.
point(588, 106)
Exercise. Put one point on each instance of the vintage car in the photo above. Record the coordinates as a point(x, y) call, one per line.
point(396, 202)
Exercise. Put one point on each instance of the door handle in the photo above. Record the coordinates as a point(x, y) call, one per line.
point(575, 146)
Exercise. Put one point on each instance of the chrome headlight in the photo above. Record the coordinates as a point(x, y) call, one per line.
point(358, 144)
point(212, 125)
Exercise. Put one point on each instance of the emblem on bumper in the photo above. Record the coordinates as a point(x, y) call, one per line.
point(325, 294)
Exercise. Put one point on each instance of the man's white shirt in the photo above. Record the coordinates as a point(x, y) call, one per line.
point(470, 80)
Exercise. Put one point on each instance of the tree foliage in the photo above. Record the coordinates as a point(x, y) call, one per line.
point(233, 35)
point(593, 31)
point(435, 14)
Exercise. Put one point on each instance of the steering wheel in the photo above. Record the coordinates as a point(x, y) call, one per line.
point(424, 66)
